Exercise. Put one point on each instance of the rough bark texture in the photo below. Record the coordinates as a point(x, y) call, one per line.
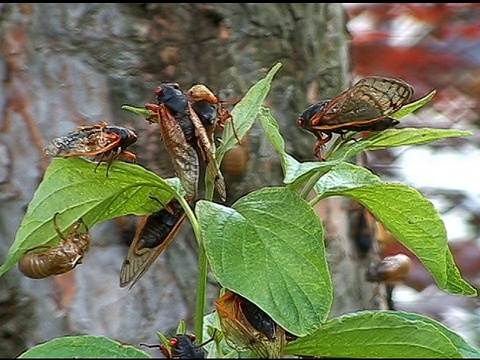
point(64, 65)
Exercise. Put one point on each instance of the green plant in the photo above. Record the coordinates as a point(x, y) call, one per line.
point(272, 233)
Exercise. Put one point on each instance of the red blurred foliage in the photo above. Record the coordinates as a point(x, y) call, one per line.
point(431, 45)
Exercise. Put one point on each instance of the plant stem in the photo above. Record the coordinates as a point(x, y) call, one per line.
point(202, 270)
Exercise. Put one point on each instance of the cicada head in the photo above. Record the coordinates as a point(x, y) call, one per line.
point(173, 97)
point(304, 121)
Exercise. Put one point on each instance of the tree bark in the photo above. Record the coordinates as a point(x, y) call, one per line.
point(65, 65)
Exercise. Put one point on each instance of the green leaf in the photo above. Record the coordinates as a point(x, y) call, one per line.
point(296, 173)
point(146, 113)
point(380, 334)
point(84, 346)
point(409, 108)
point(73, 188)
point(463, 347)
point(394, 138)
point(270, 249)
point(410, 136)
point(245, 112)
point(410, 217)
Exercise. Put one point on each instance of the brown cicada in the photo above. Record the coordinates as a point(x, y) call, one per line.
point(366, 106)
point(184, 134)
point(102, 141)
point(153, 235)
point(178, 134)
point(58, 259)
point(246, 325)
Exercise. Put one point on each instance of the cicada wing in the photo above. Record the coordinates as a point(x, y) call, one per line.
point(240, 332)
point(154, 234)
point(370, 99)
point(208, 151)
point(184, 156)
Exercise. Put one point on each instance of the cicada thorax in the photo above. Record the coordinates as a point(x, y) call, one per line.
point(245, 325)
point(106, 143)
point(57, 259)
point(366, 106)
point(152, 237)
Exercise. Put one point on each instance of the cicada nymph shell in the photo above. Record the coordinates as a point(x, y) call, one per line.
point(390, 270)
point(57, 259)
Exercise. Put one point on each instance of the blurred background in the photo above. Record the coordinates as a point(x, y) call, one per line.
point(431, 46)
point(63, 65)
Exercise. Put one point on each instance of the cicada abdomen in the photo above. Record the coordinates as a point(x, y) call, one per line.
point(57, 259)
point(152, 237)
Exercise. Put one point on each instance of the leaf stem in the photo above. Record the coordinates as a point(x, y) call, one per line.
point(307, 188)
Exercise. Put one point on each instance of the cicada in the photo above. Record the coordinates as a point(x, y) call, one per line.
point(245, 324)
point(58, 259)
point(390, 270)
point(209, 109)
point(174, 113)
point(102, 141)
point(366, 106)
point(182, 346)
point(152, 237)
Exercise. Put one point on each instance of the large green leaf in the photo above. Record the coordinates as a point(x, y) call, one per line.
point(382, 334)
point(296, 173)
point(245, 112)
point(406, 213)
point(269, 248)
point(72, 188)
point(83, 347)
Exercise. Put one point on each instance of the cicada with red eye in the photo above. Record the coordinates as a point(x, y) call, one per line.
point(183, 134)
point(58, 259)
point(246, 325)
point(366, 106)
point(154, 234)
point(102, 141)
point(182, 346)
point(178, 133)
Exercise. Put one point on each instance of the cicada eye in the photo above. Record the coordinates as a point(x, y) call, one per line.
point(159, 91)
point(300, 121)
point(174, 341)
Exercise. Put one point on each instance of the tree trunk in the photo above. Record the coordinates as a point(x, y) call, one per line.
point(65, 65)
